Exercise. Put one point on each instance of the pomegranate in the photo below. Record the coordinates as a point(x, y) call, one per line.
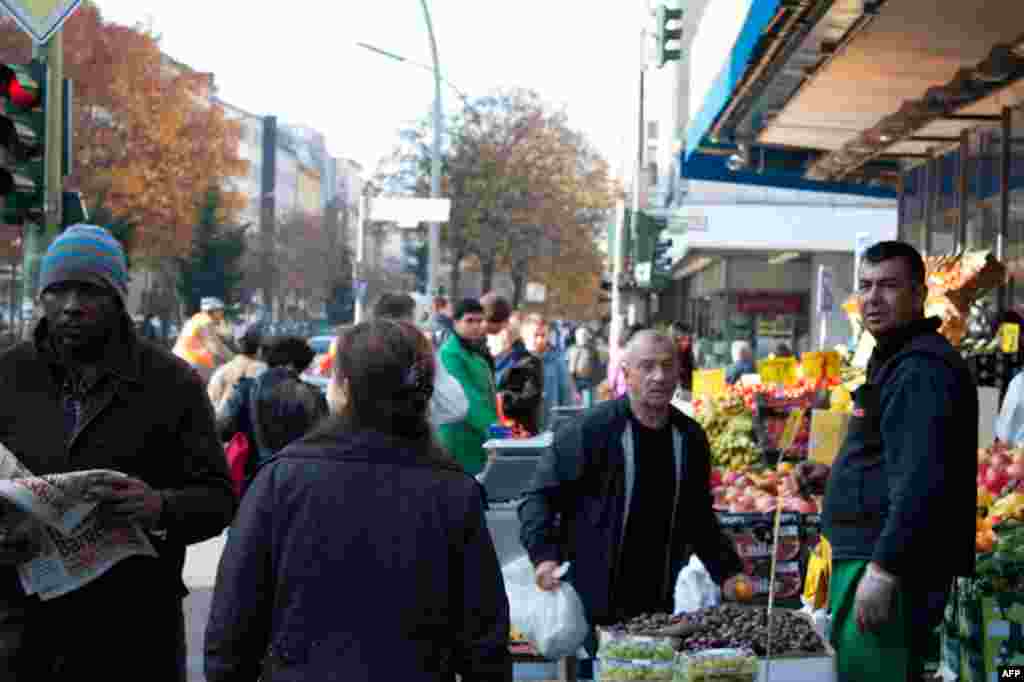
point(996, 479)
point(730, 477)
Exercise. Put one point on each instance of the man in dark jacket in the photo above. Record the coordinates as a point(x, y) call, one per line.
point(624, 495)
point(87, 393)
point(902, 488)
point(518, 375)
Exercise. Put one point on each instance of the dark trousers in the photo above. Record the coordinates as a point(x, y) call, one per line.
point(93, 634)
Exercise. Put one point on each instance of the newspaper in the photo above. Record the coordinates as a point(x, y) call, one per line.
point(76, 545)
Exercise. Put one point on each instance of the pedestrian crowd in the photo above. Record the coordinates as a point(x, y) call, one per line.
point(358, 545)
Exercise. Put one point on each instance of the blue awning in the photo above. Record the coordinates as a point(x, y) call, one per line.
point(712, 167)
point(759, 16)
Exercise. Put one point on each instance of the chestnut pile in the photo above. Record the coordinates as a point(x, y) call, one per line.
point(736, 627)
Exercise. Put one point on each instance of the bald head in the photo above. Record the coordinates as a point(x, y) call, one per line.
point(645, 341)
point(651, 366)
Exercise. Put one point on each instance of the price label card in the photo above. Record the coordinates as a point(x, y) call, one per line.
point(794, 421)
point(828, 431)
point(1009, 337)
point(709, 382)
point(781, 371)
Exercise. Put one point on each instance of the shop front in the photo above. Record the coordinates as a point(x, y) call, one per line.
point(751, 272)
point(921, 100)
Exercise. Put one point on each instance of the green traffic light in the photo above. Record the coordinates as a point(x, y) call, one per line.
point(665, 35)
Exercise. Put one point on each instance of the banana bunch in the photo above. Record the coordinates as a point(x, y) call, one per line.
point(969, 347)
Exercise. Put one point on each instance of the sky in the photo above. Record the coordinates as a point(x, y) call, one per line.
point(303, 64)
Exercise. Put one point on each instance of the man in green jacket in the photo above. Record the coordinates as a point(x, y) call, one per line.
point(463, 357)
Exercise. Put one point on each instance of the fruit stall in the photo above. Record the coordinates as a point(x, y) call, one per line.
point(983, 626)
point(727, 643)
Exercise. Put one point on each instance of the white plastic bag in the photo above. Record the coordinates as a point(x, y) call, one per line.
point(695, 589)
point(554, 621)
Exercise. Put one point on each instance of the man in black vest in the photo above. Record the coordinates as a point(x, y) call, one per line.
point(900, 504)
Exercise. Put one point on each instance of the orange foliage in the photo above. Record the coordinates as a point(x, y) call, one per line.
point(146, 132)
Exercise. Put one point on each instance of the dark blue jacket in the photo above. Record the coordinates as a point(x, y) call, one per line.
point(903, 486)
point(354, 558)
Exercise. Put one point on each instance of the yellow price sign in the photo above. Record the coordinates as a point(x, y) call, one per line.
point(781, 371)
point(708, 382)
point(1009, 337)
point(794, 421)
point(817, 364)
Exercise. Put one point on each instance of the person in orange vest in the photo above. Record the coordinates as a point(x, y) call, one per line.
point(200, 343)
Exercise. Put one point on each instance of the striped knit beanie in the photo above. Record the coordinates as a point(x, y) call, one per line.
point(85, 253)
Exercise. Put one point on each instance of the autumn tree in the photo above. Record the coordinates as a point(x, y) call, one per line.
point(147, 133)
point(528, 195)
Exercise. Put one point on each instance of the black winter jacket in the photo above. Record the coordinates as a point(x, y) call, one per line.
point(519, 377)
point(903, 486)
point(576, 507)
point(152, 420)
point(352, 558)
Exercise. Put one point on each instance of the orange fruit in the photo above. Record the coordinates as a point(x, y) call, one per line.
point(744, 590)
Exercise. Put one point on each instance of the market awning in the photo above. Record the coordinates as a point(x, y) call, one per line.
point(871, 85)
point(724, 44)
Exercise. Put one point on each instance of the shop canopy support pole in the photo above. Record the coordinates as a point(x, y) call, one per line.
point(1005, 292)
point(965, 148)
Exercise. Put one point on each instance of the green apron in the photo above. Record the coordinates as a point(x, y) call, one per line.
point(881, 656)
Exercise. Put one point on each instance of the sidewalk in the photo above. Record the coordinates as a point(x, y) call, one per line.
point(200, 574)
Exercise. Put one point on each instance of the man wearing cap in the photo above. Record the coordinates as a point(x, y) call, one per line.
point(200, 343)
point(87, 393)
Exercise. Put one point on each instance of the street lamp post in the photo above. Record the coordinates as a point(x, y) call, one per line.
point(434, 239)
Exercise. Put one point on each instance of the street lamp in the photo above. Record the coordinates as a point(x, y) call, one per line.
point(434, 241)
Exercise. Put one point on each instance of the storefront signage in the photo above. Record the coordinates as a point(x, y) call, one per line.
point(767, 302)
point(817, 365)
point(709, 382)
point(779, 371)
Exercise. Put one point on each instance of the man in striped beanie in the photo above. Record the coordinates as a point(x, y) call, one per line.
point(85, 392)
point(90, 259)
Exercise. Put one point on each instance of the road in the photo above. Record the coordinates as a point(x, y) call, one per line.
point(200, 573)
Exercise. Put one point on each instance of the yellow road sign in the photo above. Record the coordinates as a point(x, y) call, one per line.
point(40, 18)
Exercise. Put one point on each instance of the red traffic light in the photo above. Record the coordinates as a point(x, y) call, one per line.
point(17, 93)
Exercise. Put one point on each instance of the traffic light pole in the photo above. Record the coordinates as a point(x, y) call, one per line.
point(52, 162)
point(434, 230)
point(618, 315)
point(36, 238)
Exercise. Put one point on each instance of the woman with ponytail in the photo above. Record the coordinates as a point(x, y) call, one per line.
point(361, 551)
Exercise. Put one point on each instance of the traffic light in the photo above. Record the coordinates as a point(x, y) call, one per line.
point(664, 35)
point(22, 138)
point(415, 258)
point(661, 264)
